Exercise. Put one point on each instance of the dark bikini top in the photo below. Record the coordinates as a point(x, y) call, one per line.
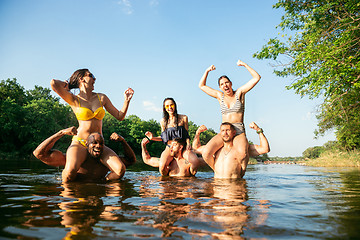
point(173, 132)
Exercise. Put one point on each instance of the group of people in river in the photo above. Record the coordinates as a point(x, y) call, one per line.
point(87, 157)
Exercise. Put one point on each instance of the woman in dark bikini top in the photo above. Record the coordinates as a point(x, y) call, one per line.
point(173, 125)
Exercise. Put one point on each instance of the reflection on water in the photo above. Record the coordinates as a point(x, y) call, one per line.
point(83, 206)
point(194, 206)
point(274, 201)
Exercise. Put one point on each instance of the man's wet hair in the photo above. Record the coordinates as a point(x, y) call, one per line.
point(181, 141)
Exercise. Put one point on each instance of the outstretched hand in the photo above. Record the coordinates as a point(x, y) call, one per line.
point(72, 131)
point(128, 94)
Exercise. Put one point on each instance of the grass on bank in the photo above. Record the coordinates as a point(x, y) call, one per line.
point(336, 158)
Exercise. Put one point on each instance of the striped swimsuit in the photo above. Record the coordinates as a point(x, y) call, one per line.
point(238, 107)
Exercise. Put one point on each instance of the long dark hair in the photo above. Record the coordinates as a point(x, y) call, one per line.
point(74, 79)
point(166, 114)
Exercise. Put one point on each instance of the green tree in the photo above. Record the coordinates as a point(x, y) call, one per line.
point(12, 124)
point(132, 129)
point(322, 53)
point(313, 152)
point(40, 93)
point(11, 89)
point(29, 117)
point(43, 117)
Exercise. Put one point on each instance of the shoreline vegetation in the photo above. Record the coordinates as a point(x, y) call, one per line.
point(336, 158)
point(328, 158)
point(21, 134)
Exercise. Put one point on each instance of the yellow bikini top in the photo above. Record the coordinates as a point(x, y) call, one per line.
point(84, 114)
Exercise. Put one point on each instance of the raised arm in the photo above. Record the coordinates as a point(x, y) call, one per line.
point(196, 145)
point(151, 137)
point(119, 115)
point(151, 161)
point(62, 89)
point(129, 158)
point(49, 156)
point(208, 90)
point(256, 150)
point(255, 78)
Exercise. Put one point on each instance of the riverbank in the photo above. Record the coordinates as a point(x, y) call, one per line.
point(336, 158)
point(330, 158)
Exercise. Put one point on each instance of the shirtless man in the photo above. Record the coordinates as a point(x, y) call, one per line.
point(92, 169)
point(180, 166)
point(227, 163)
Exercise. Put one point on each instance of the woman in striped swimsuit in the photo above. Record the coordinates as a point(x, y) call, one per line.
point(232, 106)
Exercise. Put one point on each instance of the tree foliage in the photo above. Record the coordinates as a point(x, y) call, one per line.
point(27, 117)
point(322, 55)
point(133, 129)
point(313, 152)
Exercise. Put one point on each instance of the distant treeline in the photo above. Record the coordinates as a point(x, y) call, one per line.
point(315, 152)
point(27, 117)
point(286, 159)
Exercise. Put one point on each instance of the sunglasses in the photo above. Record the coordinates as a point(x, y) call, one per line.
point(91, 75)
point(168, 106)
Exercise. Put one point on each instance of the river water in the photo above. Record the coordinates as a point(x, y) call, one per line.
point(272, 202)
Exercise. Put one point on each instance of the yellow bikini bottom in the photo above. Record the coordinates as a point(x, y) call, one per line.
point(80, 140)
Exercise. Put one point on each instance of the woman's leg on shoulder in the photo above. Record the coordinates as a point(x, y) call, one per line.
point(165, 160)
point(75, 156)
point(211, 148)
point(195, 161)
point(112, 161)
point(242, 145)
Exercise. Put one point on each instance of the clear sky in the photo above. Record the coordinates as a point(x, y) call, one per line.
point(160, 48)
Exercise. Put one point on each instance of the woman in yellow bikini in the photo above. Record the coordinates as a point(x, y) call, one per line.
point(88, 107)
point(232, 106)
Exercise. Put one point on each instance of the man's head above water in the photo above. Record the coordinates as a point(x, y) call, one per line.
point(95, 145)
point(177, 147)
point(227, 131)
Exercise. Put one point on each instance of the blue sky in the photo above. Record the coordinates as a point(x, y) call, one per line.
point(160, 48)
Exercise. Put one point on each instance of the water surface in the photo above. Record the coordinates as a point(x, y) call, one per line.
point(272, 202)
